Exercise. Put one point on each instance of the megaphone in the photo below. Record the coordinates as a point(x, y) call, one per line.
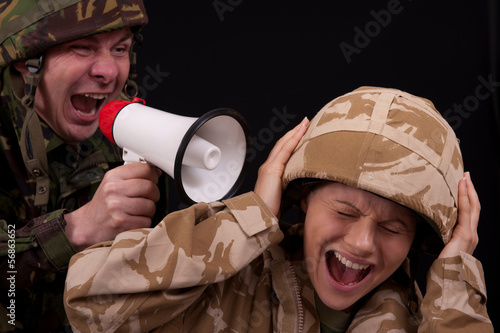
point(205, 156)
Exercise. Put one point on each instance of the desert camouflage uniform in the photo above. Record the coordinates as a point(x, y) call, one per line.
point(42, 250)
point(220, 268)
point(230, 267)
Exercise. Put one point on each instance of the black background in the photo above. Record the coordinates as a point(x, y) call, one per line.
point(264, 58)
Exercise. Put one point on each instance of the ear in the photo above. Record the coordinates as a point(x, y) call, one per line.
point(21, 67)
point(304, 202)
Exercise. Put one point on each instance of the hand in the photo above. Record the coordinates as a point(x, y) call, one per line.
point(268, 185)
point(124, 200)
point(464, 237)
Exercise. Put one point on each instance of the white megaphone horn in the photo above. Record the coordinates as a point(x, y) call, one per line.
point(205, 156)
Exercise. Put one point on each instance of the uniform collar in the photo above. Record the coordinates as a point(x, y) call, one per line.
point(332, 320)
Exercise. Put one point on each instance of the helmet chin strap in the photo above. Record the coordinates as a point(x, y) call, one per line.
point(131, 89)
point(32, 142)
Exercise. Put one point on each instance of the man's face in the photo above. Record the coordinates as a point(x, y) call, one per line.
point(354, 240)
point(78, 78)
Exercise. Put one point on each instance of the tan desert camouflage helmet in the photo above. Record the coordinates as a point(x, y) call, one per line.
point(390, 143)
point(29, 27)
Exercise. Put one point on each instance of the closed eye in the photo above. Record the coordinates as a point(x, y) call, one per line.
point(395, 227)
point(82, 50)
point(392, 231)
point(346, 214)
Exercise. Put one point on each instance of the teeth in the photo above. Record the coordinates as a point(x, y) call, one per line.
point(349, 284)
point(94, 110)
point(349, 263)
point(96, 96)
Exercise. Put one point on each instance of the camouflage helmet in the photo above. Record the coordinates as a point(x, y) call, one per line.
point(387, 142)
point(29, 27)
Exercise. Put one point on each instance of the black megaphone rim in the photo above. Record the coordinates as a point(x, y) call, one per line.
point(187, 138)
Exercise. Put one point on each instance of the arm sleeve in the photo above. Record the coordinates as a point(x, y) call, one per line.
point(35, 250)
point(146, 277)
point(455, 300)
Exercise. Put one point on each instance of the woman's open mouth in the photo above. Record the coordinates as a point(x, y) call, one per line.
point(88, 105)
point(344, 271)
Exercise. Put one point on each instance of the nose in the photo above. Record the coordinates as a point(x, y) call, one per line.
point(361, 237)
point(105, 68)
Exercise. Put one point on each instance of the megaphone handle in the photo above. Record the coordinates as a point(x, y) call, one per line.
point(131, 157)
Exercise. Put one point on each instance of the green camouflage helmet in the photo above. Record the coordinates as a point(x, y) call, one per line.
point(29, 27)
point(387, 142)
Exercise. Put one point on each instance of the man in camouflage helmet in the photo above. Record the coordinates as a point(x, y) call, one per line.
point(60, 62)
point(376, 172)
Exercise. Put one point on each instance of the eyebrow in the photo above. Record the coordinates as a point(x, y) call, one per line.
point(347, 203)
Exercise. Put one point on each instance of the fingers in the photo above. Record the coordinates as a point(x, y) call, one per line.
point(132, 188)
point(464, 207)
point(474, 204)
point(282, 150)
point(289, 141)
point(132, 180)
point(469, 206)
point(126, 210)
point(464, 237)
point(268, 185)
point(124, 200)
point(134, 171)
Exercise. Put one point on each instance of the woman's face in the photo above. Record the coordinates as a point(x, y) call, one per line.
point(354, 240)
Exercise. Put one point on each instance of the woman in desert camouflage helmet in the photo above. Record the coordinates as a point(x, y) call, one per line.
point(379, 175)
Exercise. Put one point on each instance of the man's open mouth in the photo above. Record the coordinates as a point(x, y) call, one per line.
point(344, 271)
point(88, 104)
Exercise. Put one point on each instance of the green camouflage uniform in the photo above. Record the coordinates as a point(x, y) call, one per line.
point(231, 267)
point(42, 248)
point(34, 249)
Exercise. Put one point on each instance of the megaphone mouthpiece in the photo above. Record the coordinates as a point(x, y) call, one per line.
point(201, 154)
